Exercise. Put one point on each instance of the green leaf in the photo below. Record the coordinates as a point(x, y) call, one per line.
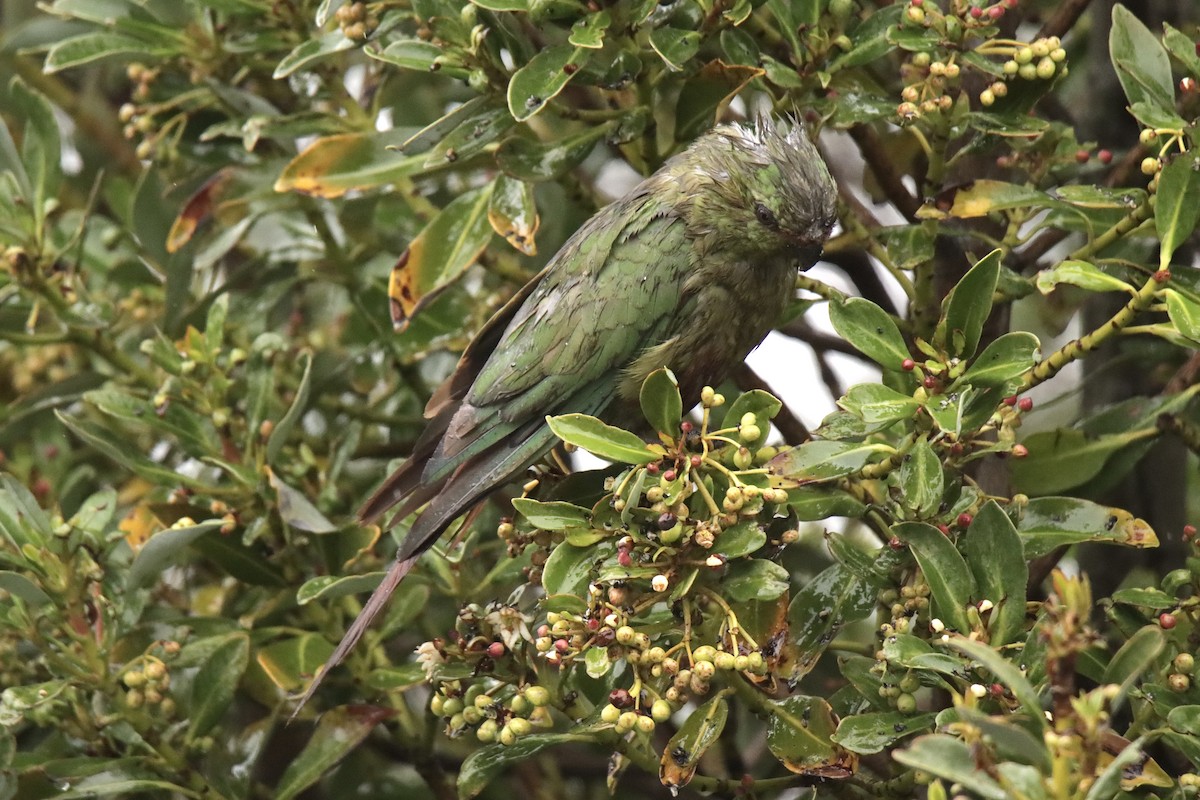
point(540, 80)
point(872, 732)
point(589, 31)
point(676, 47)
point(810, 503)
point(503, 5)
point(328, 587)
point(948, 758)
point(1127, 762)
point(22, 520)
point(291, 662)
point(604, 441)
point(1183, 47)
point(239, 560)
point(411, 54)
point(993, 551)
point(553, 516)
point(877, 404)
point(740, 540)
point(1155, 599)
point(484, 764)
point(906, 650)
point(967, 307)
point(871, 330)
point(1065, 458)
point(1136, 656)
point(661, 404)
point(312, 50)
point(1007, 673)
point(177, 420)
point(216, 682)
point(800, 734)
point(334, 165)
point(295, 509)
point(568, 569)
point(1046, 523)
point(1003, 363)
point(983, 197)
point(338, 732)
point(471, 136)
point(23, 589)
point(162, 549)
point(41, 151)
point(1083, 274)
point(1185, 719)
point(755, 579)
point(1184, 314)
point(1177, 207)
point(921, 480)
point(88, 47)
point(596, 662)
point(440, 254)
point(818, 611)
point(535, 161)
point(949, 579)
point(696, 735)
point(821, 460)
point(1140, 60)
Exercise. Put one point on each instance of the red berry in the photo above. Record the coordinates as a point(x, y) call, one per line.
point(621, 698)
point(1167, 621)
point(669, 475)
point(653, 468)
point(561, 645)
point(1011, 5)
point(929, 382)
point(1019, 451)
point(543, 631)
point(976, 12)
point(917, 3)
point(945, 529)
point(624, 559)
point(1188, 532)
point(496, 650)
point(1025, 404)
point(593, 624)
point(998, 689)
point(1010, 401)
point(1162, 276)
point(895, 543)
point(908, 364)
point(696, 461)
point(996, 12)
point(1105, 156)
point(686, 427)
point(957, 449)
point(1082, 156)
point(964, 520)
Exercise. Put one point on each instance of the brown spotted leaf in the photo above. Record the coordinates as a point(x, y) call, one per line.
point(698, 733)
point(513, 214)
point(800, 735)
point(198, 208)
point(440, 254)
point(334, 165)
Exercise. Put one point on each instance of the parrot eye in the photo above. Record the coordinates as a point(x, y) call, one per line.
point(765, 216)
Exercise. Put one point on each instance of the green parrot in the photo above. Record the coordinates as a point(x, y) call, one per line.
point(690, 271)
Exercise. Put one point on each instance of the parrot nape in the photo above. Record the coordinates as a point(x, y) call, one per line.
point(690, 270)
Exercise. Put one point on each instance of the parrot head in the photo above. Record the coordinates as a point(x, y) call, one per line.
point(760, 188)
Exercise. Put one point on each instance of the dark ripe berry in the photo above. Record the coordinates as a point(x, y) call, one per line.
point(907, 364)
point(997, 690)
point(1025, 404)
point(1082, 156)
point(929, 382)
point(956, 449)
point(1105, 156)
point(1019, 451)
point(666, 521)
point(605, 637)
point(895, 543)
point(593, 624)
point(686, 427)
point(624, 559)
point(621, 698)
point(1167, 621)
point(964, 520)
point(1010, 401)
point(669, 475)
point(653, 468)
point(496, 650)
point(945, 529)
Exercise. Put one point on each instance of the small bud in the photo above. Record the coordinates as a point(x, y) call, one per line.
point(936, 625)
point(659, 583)
point(978, 690)
point(1019, 451)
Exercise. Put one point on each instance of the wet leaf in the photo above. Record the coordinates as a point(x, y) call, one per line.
point(949, 579)
point(921, 480)
point(1184, 314)
point(1045, 523)
point(1006, 672)
point(810, 503)
point(312, 50)
point(950, 759)
point(800, 733)
point(818, 611)
point(568, 569)
point(329, 587)
point(661, 403)
point(675, 46)
point(470, 137)
point(740, 540)
point(869, 733)
point(88, 47)
point(699, 732)
point(589, 31)
point(877, 404)
point(599, 439)
point(821, 460)
point(993, 551)
point(1062, 459)
point(291, 662)
point(540, 80)
point(1003, 363)
point(513, 214)
point(411, 54)
point(486, 763)
point(755, 579)
point(983, 197)
point(162, 549)
point(337, 733)
point(1082, 274)
point(534, 161)
point(1140, 60)
point(440, 254)
point(295, 509)
point(1134, 657)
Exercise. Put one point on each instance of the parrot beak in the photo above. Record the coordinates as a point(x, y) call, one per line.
point(808, 254)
